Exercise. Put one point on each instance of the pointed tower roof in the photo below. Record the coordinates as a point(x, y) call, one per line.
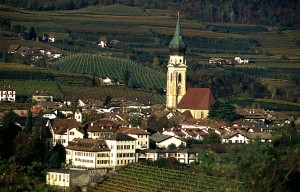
point(177, 45)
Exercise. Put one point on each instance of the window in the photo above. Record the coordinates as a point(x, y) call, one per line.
point(179, 78)
point(71, 133)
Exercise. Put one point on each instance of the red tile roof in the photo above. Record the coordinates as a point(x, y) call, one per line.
point(197, 99)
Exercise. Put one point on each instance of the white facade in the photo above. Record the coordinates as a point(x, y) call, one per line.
point(237, 138)
point(122, 152)
point(246, 137)
point(58, 178)
point(7, 94)
point(186, 156)
point(142, 141)
point(167, 142)
point(49, 115)
point(78, 116)
point(67, 136)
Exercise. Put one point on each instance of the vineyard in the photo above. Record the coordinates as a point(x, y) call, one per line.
point(111, 67)
point(142, 178)
point(152, 30)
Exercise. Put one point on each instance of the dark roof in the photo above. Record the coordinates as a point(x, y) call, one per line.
point(120, 137)
point(60, 126)
point(6, 88)
point(92, 145)
point(103, 125)
point(197, 99)
point(157, 137)
point(177, 45)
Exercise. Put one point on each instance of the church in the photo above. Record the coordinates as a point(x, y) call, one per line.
point(194, 102)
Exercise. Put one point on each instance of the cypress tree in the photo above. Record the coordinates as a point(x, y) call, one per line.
point(28, 123)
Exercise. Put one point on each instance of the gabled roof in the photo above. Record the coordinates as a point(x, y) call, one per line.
point(258, 135)
point(157, 137)
point(135, 131)
point(120, 137)
point(60, 126)
point(197, 99)
point(92, 145)
point(104, 125)
point(6, 88)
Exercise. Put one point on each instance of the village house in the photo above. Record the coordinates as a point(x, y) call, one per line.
point(40, 96)
point(185, 133)
point(50, 114)
point(58, 177)
point(122, 149)
point(88, 153)
point(186, 156)
point(246, 137)
point(241, 61)
point(141, 136)
point(65, 130)
point(163, 141)
point(7, 94)
point(102, 128)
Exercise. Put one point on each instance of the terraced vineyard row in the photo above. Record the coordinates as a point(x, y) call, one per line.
point(113, 68)
point(138, 177)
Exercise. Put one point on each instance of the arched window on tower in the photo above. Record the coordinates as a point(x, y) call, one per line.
point(179, 78)
point(171, 76)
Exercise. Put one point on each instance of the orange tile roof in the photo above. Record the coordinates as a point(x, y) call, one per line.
point(197, 99)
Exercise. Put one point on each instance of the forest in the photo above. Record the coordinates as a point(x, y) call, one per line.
point(284, 13)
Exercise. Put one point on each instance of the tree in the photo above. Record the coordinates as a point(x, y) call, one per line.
point(107, 101)
point(54, 160)
point(60, 149)
point(32, 33)
point(126, 76)
point(172, 146)
point(223, 110)
point(211, 138)
point(8, 133)
point(28, 123)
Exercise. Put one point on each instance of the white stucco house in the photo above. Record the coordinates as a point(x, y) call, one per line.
point(88, 153)
point(122, 149)
point(7, 94)
point(246, 137)
point(65, 130)
point(163, 141)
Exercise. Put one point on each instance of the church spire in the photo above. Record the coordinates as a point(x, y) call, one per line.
point(177, 45)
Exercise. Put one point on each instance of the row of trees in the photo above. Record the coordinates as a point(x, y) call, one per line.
point(260, 166)
point(272, 12)
point(24, 155)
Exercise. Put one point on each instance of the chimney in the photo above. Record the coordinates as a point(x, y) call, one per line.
point(92, 124)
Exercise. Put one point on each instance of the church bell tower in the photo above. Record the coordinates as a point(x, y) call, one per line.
point(176, 76)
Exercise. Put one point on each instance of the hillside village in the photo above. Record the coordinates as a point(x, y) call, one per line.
point(100, 136)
